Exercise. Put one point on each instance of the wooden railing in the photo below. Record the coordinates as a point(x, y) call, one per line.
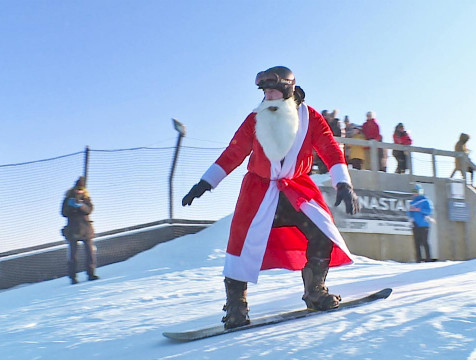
point(374, 145)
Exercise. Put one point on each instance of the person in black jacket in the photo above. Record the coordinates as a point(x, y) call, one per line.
point(76, 207)
point(334, 123)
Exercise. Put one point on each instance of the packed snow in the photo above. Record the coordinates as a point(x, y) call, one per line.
point(178, 285)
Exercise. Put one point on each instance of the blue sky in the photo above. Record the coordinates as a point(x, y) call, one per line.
point(111, 74)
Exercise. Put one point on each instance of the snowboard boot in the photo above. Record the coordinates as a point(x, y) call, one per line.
point(236, 306)
point(316, 295)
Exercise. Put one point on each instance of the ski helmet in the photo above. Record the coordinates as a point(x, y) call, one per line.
point(279, 78)
point(418, 189)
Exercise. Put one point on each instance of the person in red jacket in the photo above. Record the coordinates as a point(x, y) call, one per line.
point(371, 130)
point(281, 219)
point(401, 136)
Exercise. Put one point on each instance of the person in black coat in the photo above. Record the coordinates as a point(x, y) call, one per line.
point(77, 206)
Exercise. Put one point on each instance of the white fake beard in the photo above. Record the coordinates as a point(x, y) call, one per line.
point(276, 130)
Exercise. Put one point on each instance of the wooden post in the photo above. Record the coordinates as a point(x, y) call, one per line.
point(374, 158)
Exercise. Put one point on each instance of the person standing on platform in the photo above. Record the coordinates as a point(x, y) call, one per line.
point(419, 212)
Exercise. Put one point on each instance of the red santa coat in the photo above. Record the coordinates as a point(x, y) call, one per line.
point(253, 244)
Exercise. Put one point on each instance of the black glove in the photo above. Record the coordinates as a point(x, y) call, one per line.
point(195, 192)
point(351, 200)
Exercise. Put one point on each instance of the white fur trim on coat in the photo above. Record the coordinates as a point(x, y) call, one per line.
point(340, 174)
point(214, 175)
point(246, 267)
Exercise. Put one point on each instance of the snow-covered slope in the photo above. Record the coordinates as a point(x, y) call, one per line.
point(178, 285)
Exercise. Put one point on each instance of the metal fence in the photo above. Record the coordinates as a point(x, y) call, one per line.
point(128, 187)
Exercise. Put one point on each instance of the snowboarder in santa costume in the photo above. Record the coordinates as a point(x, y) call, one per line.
point(281, 219)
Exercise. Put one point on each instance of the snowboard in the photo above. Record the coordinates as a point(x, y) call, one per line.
point(273, 319)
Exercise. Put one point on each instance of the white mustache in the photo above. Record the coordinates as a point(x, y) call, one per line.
point(270, 105)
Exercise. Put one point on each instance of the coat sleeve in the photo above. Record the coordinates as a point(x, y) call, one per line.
point(239, 148)
point(427, 208)
point(65, 209)
point(377, 130)
point(406, 139)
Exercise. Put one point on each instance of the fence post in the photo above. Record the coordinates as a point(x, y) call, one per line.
point(181, 133)
point(464, 166)
point(433, 162)
point(374, 158)
point(409, 162)
point(86, 164)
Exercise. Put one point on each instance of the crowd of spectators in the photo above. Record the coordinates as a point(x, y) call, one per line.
point(358, 156)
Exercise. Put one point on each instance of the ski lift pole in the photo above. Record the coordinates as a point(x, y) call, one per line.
point(180, 128)
point(86, 164)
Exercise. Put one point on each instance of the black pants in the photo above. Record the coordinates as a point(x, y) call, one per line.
point(356, 163)
point(401, 161)
point(420, 235)
point(382, 159)
point(90, 252)
point(319, 245)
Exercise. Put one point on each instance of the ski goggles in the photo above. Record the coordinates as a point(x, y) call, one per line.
point(270, 80)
